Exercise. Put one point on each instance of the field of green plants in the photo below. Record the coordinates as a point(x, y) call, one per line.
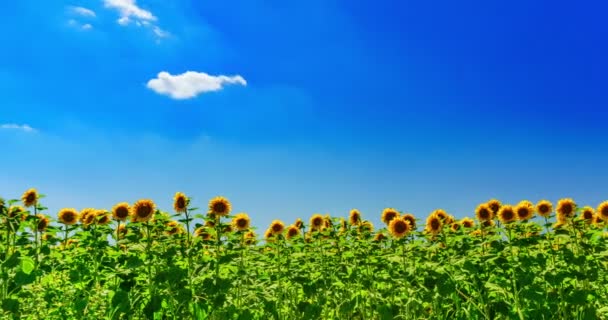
point(521, 261)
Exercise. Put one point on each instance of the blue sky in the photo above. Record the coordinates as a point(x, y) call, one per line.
point(292, 108)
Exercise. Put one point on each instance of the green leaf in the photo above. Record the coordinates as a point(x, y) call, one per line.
point(27, 265)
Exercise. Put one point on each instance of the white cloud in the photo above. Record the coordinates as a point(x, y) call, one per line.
point(160, 32)
point(83, 11)
point(87, 26)
point(13, 126)
point(190, 84)
point(129, 10)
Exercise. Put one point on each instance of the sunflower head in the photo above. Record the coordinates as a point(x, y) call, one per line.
point(316, 222)
point(172, 227)
point(411, 219)
point(292, 232)
point(87, 216)
point(379, 237)
point(122, 230)
point(441, 214)
point(249, 238)
point(488, 224)
point(597, 220)
point(143, 210)
point(467, 222)
point(102, 217)
point(506, 214)
point(68, 216)
point(494, 205)
point(565, 209)
point(354, 217)
point(43, 222)
point(276, 227)
point(389, 214)
point(121, 211)
point(241, 222)
point(524, 210)
point(299, 223)
point(455, 226)
point(269, 236)
point(434, 224)
point(327, 223)
point(220, 206)
point(602, 210)
point(587, 214)
point(203, 233)
point(30, 198)
point(366, 227)
point(544, 208)
point(476, 233)
point(399, 227)
point(484, 212)
point(180, 202)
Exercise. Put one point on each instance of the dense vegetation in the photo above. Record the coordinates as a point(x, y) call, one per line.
point(526, 261)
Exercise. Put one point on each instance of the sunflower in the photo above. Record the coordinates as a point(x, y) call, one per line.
point(172, 227)
point(227, 229)
point(43, 222)
point(597, 220)
point(17, 211)
point(292, 232)
point(476, 233)
point(434, 224)
point(87, 216)
point(122, 230)
point(494, 206)
point(455, 226)
point(316, 222)
point(524, 210)
point(389, 214)
point(241, 221)
point(379, 237)
point(484, 212)
point(544, 208)
point(249, 238)
point(587, 214)
point(506, 214)
point(441, 214)
point(565, 209)
point(68, 216)
point(269, 236)
point(299, 223)
point(488, 224)
point(121, 211)
point(142, 210)
point(411, 219)
point(203, 233)
point(276, 227)
point(220, 206)
point(467, 222)
point(343, 225)
point(354, 217)
point(327, 222)
point(30, 198)
point(102, 217)
point(399, 227)
point(180, 202)
point(602, 210)
point(366, 227)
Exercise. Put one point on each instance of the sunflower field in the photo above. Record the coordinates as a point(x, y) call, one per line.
point(521, 261)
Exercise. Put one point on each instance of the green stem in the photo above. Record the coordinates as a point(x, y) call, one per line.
point(513, 282)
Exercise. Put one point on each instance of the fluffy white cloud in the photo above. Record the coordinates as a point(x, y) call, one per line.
point(83, 11)
point(87, 26)
point(13, 126)
point(128, 10)
point(190, 84)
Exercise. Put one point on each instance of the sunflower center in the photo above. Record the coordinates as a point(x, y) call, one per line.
point(31, 197)
point(276, 227)
point(181, 202)
point(522, 212)
point(219, 207)
point(144, 211)
point(508, 214)
point(293, 232)
point(435, 224)
point(241, 223)
point(543, 208)
point(317, 222)
point(567, 209)
point(122, 212)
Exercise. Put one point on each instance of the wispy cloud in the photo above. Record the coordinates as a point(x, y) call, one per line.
point(82, 11)
point(191, 84)
point(130, 12)
point(77, 24)
point(14, 126)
